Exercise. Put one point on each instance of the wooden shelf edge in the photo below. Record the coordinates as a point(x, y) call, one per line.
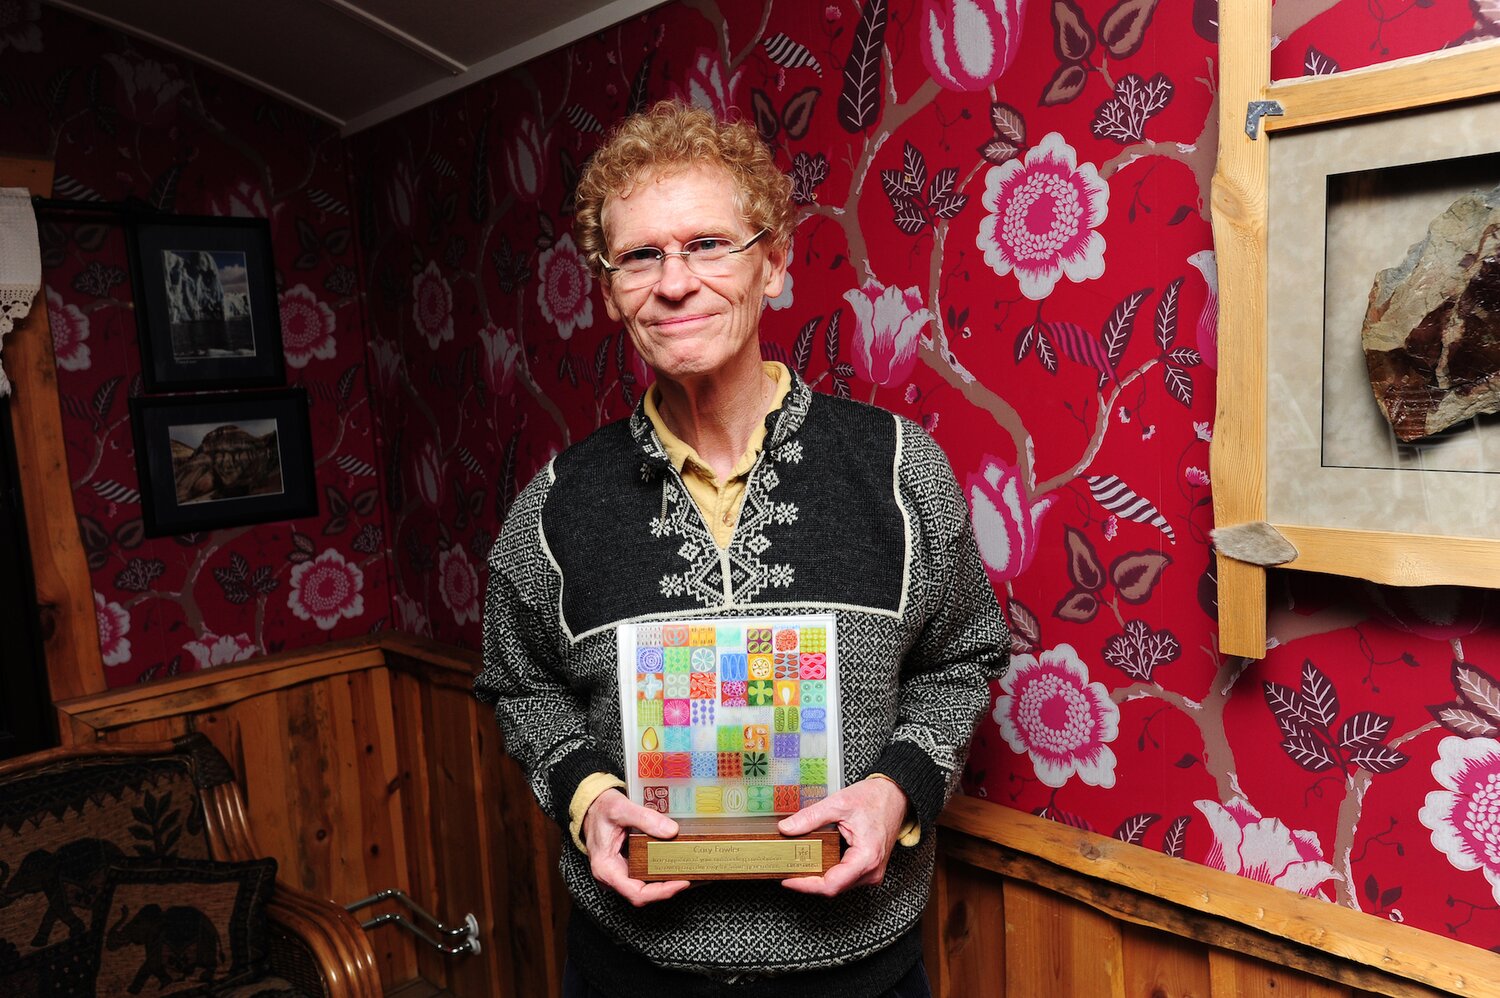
point(1401, 951)
point(1456, 74)
point(437, 654)
point(213, 688)
point(1396, 559)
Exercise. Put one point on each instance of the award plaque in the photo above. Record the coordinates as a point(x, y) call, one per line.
point(730, 725)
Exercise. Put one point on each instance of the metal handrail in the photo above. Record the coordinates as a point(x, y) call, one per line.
point(448, 945)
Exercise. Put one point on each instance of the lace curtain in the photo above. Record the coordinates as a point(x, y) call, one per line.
point(20, 264)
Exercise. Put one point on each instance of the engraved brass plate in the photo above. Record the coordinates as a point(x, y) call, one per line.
point(732, 856)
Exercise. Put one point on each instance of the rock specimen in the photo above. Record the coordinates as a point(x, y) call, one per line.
point(1432, 330)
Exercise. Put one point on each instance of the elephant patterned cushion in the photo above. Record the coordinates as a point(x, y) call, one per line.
point(183, 929)
point(62, 827)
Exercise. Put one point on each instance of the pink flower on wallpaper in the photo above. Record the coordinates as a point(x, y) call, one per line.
point(526, 155)
point(18, 28)
point(220, 649)
point(564, 287)
point(307, 326)
point(707, 87)
point(1465, 815)
point(431, 474)
point(114, 624)
point(70, 328)
point(1050, 711)
point(1195, 476)
point(887, 324)
point(968, 44)
point(1043, 216)
point(327, 588)
point(458, 584)
point(502, 350)
point(410, 617)
point(1264, 849)
point(432, 305)
point(1005, 526)
point(152, 90)
point(401, 194)
point(245, 199)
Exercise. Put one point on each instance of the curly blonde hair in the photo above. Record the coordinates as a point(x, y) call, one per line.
point(673, 135)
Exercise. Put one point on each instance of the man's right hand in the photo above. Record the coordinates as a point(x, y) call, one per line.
point(605, 825)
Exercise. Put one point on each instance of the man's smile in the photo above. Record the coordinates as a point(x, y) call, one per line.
point(679, 323)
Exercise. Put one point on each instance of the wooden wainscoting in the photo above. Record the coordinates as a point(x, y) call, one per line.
point(369, 765)
point(1028, 908)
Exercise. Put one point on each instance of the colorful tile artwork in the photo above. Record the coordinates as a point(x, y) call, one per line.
point(730, 719)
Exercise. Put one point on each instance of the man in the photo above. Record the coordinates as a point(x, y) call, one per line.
point(734, 490)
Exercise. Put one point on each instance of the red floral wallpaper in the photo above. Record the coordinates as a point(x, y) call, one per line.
point(1004, 233)
point(124, 120)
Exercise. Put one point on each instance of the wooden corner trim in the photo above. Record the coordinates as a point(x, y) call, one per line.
point(211, 689)
point(1394, 950)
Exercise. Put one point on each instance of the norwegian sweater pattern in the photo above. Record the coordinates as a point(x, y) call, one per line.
point(849, 510)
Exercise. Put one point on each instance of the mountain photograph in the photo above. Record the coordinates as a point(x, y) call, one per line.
point(208, 304)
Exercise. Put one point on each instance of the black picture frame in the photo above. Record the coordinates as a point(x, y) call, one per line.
point(195, 333)
point(205, 462)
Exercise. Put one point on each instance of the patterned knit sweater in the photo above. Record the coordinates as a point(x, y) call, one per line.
point(848, 510)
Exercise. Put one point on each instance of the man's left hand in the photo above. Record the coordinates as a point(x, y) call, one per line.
point(869, 815)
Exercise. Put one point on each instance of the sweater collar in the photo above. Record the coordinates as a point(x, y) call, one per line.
point(781, 426)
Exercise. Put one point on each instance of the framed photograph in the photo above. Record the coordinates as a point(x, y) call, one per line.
point(226, 460)
point(205, 298)
point(1320, 208)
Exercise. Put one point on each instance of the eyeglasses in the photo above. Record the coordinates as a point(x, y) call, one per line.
point(707, 256)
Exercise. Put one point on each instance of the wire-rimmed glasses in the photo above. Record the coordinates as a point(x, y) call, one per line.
point(706, 256)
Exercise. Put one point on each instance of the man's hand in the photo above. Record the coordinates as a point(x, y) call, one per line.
point(869, 816)
point(605, 826)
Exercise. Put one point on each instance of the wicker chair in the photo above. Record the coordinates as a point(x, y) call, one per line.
point(72, 819)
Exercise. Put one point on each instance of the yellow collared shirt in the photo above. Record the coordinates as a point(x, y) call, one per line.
point(718, 501)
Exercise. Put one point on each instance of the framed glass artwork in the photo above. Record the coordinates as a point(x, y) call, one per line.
point(730, 717)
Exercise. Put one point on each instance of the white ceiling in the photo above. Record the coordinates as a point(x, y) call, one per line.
point(355, 63)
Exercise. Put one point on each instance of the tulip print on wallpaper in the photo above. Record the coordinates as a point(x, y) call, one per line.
point(1003, 233)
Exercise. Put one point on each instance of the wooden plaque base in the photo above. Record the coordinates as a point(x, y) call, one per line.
point(732, 849)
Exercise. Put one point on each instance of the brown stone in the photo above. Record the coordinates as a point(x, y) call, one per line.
point(1432, 329)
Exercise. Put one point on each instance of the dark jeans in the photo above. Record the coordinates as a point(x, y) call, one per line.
point(913, 985)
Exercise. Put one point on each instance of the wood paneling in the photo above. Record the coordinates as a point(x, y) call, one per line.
point(965, 931)
point(1162, 965)
point(64, 593)
point(368, 765)
point(1056, 946)
point(1231, 974)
